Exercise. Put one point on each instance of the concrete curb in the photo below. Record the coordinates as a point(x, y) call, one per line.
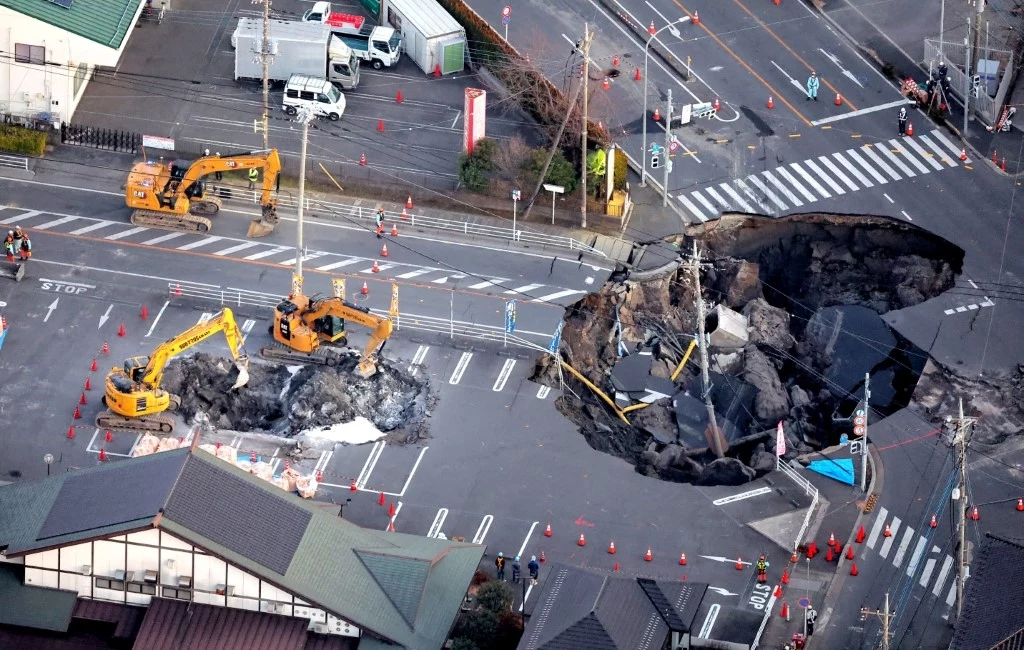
point(20, 174)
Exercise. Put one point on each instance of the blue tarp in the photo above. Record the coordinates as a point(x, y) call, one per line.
point(840, 469)
point(3, 335)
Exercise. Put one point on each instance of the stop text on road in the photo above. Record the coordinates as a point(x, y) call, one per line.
point(75, 288)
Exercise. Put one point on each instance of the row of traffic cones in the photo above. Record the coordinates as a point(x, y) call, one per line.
point(995, 160)
point(83, 400)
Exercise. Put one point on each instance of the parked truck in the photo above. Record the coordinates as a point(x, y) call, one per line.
point(297, 48)
point(432, 38)
point(381, 46)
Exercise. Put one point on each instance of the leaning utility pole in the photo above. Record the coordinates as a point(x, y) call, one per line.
point(885, 616)
point(583, 130)
point(668, 147)
point(962, 433)
point(864, 437)
point(694, 266)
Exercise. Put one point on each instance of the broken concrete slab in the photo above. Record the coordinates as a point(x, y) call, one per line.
point(631, 374)
point(726, 328)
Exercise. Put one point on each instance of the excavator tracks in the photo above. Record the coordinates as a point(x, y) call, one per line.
point(157, 423)
point(166, 221)
point(322, 357)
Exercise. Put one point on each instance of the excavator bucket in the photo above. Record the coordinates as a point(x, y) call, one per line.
point(367, 368)
point(242, 365)
point(259, 228)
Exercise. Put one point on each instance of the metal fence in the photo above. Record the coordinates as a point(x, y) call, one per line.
point(97, 138)
point(808, 489)
point(14, 162)
point(954, 54)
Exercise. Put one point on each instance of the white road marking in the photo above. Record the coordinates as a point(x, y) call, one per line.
point(951, 596)
point(412, 472)
point(506, 371)
point(951, 161)
point(894, 528)
point(926, 575)
point(897, 147)
point(888, 198)
point(529, 590)
point(125, 233)
point(523, 289)
point(943, 572)
point(305, 258)
point(707, 204)
point(742, 495)
point(840, 175)
point(21, 217)
point(526, 540)
point(853, 170)
point(870, 153)
point(93, 226)
point(202, 242)
point(371, 462)
point(746, 207)
point(435, 527)
point(157, 319)
point(972, 283)
point(860, 111)
point(876, 529)
point(204, 317)
point(756, 182)
point(236, 248)
point(823, 176)
point(556, 295)
point(337, 265)
point(717, 197)
point(543, 392)
point(782, 188)
point(753, 197)
point(55, 222)
point(781, 171)
point(915, 558)
point(482, 529)
point(417, 359)
point(162, 238)
point(460, 368)
point(929, 158)
point(247, 328)
point(380, 267)
point(935, 133)
point(709, 621)
point(483, 285)
point(413, 274)
point(904, 213)
point(880, 146)
point(852, 153)
point(694, 210)
point(267, 253)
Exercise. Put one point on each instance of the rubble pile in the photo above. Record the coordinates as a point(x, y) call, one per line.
point(793, 320)
point(289, 400)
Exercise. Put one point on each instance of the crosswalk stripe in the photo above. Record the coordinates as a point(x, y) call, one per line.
point(852, 153)
point(237, 247)
point(869, 151)
point(369, 269)
point(894, 528)
point(267, 253)
point(27, 215)
point(524, 289)
point(810, 180)
point(754, 197)
point(895, 160)
point(337, 265)
point(876, 529)
point(943, 572)
point(908, 536)
point(951, 161)
point(306, 258)
point(692, 208)
point(746, 207)
point(930, 159)
point(717, 197)
point(898, 147)
point(823, 176)
point(772, 196)
point(781, 171)
point(483, 285)
point(125, 233)
point(199, 242)
point(853, 170)
point(55, 222)
point(951, 596)
point(782, 188)
point(555, 296)
point(929, 566)
point(712, 210)
point(92, 226)
point(413, 274)
point(949, 145)
point(915, 558)
point(840, 175)
point(162, 238)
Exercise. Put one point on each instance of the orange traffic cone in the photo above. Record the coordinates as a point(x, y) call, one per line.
point(81, 400)
point(605, 85)
point(1002, 166)
point(88, 384)
point(616, 569)
point(120, 330)
point(652, 29)
point(849, 552)
point(778, 591)
point(94, 367)
point(319, 476)
point(391, 509)
point(696, 19)
point(636, 75)
point(105, 349)
point(831, 539)
point(739, 564)
point(682, 559)
point(362, 159)
point(394, 229)
point(974, 514)
point(543, 558)
point(995, 157)
point(963, 153)
point(785, 576)
point(860, 535)
point(839, 100)
point(583, 541)
point(144, 314)
point(398, 97)
point(615, 60)
point(717, 104)
point(365, 290)
point(812, 549)
point(408, 203)
point(547, 531)
point(934, 523)
point(384, 251)
point(352, 486)
point(794, 558)
point(380, 499)
point(437, 70)
point(380, 126)
point(828, 554)
point(657, 115)
point(910, 128)
point(853, 569)
point(784, 612)
point(1020, 505)
point(611, 548)
point(887, 533)
point(71, 432)
point(391, 526)
point(771, 102)
point(648, 556)
point(177, 290)
point(375, 269)
point(405, 215)
point(103, 454)
point(77, 414)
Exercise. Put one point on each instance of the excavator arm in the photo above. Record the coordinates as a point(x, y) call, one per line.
point(224, 322)
point(379, 326)
point(268, 160)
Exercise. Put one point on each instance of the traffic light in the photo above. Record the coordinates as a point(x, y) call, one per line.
point(655, 161)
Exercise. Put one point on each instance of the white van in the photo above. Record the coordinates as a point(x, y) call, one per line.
point(316, 93)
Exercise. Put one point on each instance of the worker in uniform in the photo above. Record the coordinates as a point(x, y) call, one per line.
point(25, 248)
point(812, 615)
point(499, 564)
point(534, 569)
point(902, 120)
point(9, 246)
point(219, 175)
point(254, 175)
point(812, 87)
point(380, 221)
point(18, 236)
point(517, 570)
point(762, 570)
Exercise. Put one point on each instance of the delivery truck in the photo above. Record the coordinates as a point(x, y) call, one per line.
point(431, 37)
point(297, 48)
point(381, 46)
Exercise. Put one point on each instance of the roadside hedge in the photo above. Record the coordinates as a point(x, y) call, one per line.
point(18, 139)
point(487, 46)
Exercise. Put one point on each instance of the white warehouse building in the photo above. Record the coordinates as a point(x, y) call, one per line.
point(49, 48)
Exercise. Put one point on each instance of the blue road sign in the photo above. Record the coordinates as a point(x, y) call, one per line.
point(804, 602)
point(504, 20)
point(844, 439)
point(510, 316)
point(556, 340)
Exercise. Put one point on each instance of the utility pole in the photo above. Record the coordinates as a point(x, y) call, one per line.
point(864, 438)
point(885, 616)
point(716, 440)
point(305, 116)
point(962, 433)
point(265, 58)
point(979, 7)
point(668, 144)
point(583, 130)
point(967, 75)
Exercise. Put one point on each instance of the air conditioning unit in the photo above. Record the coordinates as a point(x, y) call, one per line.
point(119, 575)
point(169, 563)
point(184, 582)
point(87, 569)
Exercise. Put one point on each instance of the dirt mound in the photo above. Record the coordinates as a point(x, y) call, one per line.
point(288, 400)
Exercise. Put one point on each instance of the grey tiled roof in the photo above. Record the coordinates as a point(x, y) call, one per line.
point(993, 612)
point(105, 21)
point(401, 579)
point(180, 625)
point(41, 608)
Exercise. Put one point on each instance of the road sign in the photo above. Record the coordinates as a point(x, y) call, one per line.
point(556, 340)
point(672, 146)
point(804, 602)
point(844, 439)
point(516, 195)
point(507, 11)
point(510, 316)
point(858, 431)
point(504, 20)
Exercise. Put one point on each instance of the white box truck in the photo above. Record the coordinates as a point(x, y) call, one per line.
point(381, 46)
point(297, 48)
point(431, 36)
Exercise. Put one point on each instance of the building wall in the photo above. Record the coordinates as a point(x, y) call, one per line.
point(92, 569)
point(30, 88)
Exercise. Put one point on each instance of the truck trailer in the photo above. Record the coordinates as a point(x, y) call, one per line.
point(297, 48)
point(381, 46)
point(432, 38)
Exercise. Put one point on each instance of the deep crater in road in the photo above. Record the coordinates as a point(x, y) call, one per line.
point(812, 289)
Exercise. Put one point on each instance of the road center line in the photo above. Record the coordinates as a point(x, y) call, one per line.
point(157, 319)
point(862, 111)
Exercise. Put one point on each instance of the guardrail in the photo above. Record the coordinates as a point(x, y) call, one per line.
point(810, 490)
point(14, 162)
point(232, 297)
point(342, 211)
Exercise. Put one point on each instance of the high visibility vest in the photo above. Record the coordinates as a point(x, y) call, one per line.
point(253, 175)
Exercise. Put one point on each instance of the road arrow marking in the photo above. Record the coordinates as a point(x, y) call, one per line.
point(719, 558)
point(49, 310)
point(722, 592)
point(105, 317)
point(846, 73)
point(799, 86)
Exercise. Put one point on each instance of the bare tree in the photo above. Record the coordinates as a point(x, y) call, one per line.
point(509, 159)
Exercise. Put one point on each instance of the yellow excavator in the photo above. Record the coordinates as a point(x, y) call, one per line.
point(302, 324)
point(134, 399)
point(174, 196)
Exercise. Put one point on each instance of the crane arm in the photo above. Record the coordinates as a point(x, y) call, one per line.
point(268, 160)
point(222, 322)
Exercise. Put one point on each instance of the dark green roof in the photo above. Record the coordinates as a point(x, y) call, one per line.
point(41, 608)
point(106, 22)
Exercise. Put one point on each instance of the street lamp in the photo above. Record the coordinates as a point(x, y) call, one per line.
point(671, 27)
point(48, 459)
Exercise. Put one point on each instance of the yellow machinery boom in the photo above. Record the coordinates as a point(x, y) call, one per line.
point(133, 397)
point(173, 195)
point(301, 324)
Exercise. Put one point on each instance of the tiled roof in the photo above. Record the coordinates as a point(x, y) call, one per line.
point(127, 619)
point(106, 22)
point(41, 608)
point(180, 625)
point(993, 612)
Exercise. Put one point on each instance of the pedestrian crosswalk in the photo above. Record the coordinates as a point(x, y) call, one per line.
point(801, 183)
point(284, 256)
point(908, 550)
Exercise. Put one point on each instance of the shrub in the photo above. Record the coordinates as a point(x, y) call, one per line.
point(474, 167)
point(621, 169)
point(462, 643)
point(479, 626)
point(18, 139)
point(495, 596)
point(561, 172)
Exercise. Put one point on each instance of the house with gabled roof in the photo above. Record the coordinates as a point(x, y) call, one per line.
point(49, 49)
point(993, 613)
point(186, 526)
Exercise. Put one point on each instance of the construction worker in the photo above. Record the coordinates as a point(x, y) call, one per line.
point(25, 249)
point(812, 87)
point(762, 570)
point(9, 246)
point(534, 569)
point(217, 174)
point(18, 236)
point(499, 563)
point(254, 175)
point(517, 570)
point(812, 615)
point(380, 221)
point(902, 120)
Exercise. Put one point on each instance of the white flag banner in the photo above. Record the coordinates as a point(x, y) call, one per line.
point(780, 441)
